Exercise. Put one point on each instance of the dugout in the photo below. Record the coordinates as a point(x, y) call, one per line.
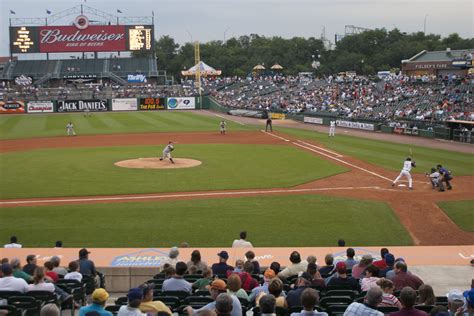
point(461, 131)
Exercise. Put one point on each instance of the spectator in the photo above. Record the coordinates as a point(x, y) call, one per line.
point(74, 273)
point(342, 279)
point(221, 267)
point(373, 298)
point(408, 299)
point(390, 262)
point(426, 295)
point(391, 273)
point(239, 266)
point(469, 297)
point(275, 288)
point(50, 310)
point(217, 287)
point(248, 282)
point(58, 244)
point(381, 264)
point(341, 243)
point(9, 283)
point(224, 304)
point(135, 297)
point(361, 266)
point(234, 285)
point(177, 282)
point(371, 278)
point(50, 274)
point(99, 299)
point(388, 299)
point(250, 256)
point(329, 268)
point(455, 301)
point(267, 305)
point(30, 265)
point(267, 277)
point(309, 299)
point(61, 271)
point(148, 305)
point(275, 266)
point(86, 266)
point(439, 311)
point(18, 273)
point(316, 279)
point(350, 261)
point(169, 271)
point(203, 282)
point(172, 257)
point(13, 243)
point(38, 282)
point(403, 279)
point(196, 265)
point(242, 242)
point(311, 259)
point(294, 296)
point(295, 267)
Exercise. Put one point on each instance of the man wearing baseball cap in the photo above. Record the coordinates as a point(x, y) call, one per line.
point(222, 267)
point(469, 297)
point(99, 298)
point(455, 301)
point(218, 287)
point(267, 277)
point(135, 297)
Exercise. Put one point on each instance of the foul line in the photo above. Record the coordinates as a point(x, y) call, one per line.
point(226, 118)
point(286, 140)
point(320, 148)
point(147, 197)
point(344, 162)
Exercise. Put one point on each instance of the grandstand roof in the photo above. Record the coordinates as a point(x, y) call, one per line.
point(204, 69)
point(442, 55)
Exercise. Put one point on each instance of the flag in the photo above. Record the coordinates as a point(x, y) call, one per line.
point(48, 11)
point(12, 12)
point(118, 11)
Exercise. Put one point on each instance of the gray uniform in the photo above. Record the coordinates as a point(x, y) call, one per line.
point(167, 152)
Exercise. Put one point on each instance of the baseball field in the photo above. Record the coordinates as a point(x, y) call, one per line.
point(293, 187)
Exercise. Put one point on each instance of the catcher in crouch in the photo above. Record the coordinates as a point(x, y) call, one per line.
point(167, 152)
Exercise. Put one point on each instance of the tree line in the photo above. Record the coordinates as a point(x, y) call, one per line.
point(365, 53)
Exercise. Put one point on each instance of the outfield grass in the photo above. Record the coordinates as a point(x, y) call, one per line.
point(43, 125)
point(91, 171)
point(390, 155)
point(460, 212)
point(304, 220)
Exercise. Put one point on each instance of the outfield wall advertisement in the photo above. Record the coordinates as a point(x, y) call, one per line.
point(97, 105)
point(355, 125)
point(151, 104)
point(313, 120)
point(12, 107)
point(40, 107)
point(181, 103)
point(128, 104)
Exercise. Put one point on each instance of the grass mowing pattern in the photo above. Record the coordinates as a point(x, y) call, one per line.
point(286, 221)
point(44, 125)
point(460, 212)
point(91, 171)
point(390, 155)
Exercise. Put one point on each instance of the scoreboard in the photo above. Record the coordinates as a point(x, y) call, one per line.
point(70, 38)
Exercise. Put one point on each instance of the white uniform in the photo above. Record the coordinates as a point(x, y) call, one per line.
point(222, 126)
point(405, 172)
point(70, 129)
point(167, 152)
point(332, 128)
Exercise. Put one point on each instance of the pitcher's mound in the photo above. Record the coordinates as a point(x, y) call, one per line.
point(155, 163)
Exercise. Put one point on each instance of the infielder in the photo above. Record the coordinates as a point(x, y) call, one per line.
point(407, 165)
point(167, 152)
point(70, 129)
point(222, 127)
point(332, 128)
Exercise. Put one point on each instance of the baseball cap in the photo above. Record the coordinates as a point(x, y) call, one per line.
point(389, 259)
point(135, 294)
point(341, 267)
point(269, 274)
point(455, 295)
point(174, 252)
point(100, 295)
point(469, 296)
point(218, 285)
point(223, 254)
point(7, 268)
point(83, 252)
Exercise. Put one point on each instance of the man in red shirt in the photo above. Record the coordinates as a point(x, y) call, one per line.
point(381, 264)
point(403, 279)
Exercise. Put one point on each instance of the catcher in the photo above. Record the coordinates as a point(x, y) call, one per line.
point(435, 178)
point(167, 152)
point(407, 165)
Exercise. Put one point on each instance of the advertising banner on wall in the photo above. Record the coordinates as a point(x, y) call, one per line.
point(312, 120)
point(356, 125)
point(181, 103)
point(151, 104)
point(12, 107)
point(136, 78)
point(127, 104)
point(40, 107)
point(98, 105)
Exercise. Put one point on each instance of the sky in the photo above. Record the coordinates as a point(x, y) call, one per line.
point(205, 20)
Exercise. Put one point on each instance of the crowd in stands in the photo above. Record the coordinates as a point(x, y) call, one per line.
point(356, 286)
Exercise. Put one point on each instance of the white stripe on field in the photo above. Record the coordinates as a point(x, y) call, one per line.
point(320, 148)
point(160, 196)
point(286, 140)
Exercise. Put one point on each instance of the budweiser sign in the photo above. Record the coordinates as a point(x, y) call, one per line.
point(71, 39)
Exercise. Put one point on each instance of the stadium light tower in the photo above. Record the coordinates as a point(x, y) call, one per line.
point(424, 24)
